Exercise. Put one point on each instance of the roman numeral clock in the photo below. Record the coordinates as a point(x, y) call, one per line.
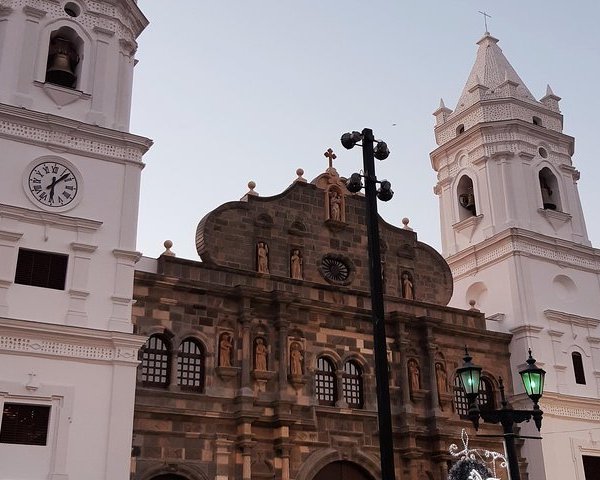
point(53, 184)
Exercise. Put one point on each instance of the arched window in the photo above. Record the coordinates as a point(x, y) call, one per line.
point(325, 390)
point(352, 384)
point(466, 198)
point(190, 365)
point(485, 399)
point(461, 404)
point(156, 362)
point(549, 190)
point(537, 121)
point(460, 129)
point(578, 368)
point(64, 54)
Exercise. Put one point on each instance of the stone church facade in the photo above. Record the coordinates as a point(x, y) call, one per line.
point(259, 359)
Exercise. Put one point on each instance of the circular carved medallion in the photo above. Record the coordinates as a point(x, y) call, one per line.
point(335, 269)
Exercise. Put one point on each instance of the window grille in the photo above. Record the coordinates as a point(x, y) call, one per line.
point(325, 382)
point(190, 365)
point(41, 269)
point(156, 362)
point(352, 383)
point(24, 424)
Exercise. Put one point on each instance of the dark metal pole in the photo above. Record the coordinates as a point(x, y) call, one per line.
point(511, 450)
point(386, 443)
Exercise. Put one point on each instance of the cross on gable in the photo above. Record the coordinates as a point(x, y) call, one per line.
point(331, 156)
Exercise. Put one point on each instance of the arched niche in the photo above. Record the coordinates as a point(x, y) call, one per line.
point(548, 184)
point(335, 203)
point(82, 44)
point(65, 52)
point(465, 195)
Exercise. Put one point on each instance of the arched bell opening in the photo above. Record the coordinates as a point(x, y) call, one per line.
point(549, 190)
point(466, 198)
point(65, 51)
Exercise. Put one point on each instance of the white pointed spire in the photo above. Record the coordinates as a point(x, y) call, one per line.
point(442, 112)
point(551, 99)
point(491, 69)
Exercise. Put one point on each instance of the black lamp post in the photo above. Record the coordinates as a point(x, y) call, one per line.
point(384, 193)
point(533, 381)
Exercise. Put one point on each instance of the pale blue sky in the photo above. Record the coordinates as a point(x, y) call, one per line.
point(233, 91)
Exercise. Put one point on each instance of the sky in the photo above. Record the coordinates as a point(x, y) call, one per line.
point(238, 90)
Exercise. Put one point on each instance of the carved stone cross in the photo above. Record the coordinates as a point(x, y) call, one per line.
point(331, 156)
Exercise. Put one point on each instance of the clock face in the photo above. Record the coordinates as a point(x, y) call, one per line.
point(52, 184)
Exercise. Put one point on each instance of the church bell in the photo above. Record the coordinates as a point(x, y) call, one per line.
point(62, 60)
point(467, 200)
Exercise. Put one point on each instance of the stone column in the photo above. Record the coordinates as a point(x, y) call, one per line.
point(433, 388)
point(282, 325)
point(403, 344)
point(222, 458)
point(341, 402)
point(246, 319)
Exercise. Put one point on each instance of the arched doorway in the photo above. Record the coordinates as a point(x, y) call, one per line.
point(342, 471)
point(169, 476)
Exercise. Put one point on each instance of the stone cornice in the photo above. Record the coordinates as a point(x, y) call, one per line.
point(67, 135)
point(581, 408)
point(457, 116)
point(571, 319)
point(22, 337)
point(47, 218)
point(516, 241)
point(480, 130)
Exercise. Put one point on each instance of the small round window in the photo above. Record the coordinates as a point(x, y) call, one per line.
point(72, 9)
point(336, 269)
point(543, 152)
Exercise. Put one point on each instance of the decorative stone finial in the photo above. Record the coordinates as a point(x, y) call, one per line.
point(405, 222)
point(168, 244)
point(252, 186)
point(473, 307)
point(300, 178)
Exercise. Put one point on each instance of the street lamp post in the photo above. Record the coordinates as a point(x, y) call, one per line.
point(384, 193)
point(533, 381)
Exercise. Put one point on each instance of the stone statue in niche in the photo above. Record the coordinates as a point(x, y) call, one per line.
point(225, 349)
point(296, 265)
point(441, 379)
point(296, 359)
point(414, 375)
point(260, 354)
point(335, 206)
point(407, 287)
point(262, 257)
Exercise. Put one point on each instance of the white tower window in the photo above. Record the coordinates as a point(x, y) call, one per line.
point(549, 190)
point(466, 198)
point(537, 121)
point(64, 58)
point(578, 368)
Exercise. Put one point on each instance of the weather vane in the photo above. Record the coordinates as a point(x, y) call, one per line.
point(485, 17)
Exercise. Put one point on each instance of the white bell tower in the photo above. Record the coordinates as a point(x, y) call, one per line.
point(514, 235)
point(69, 195)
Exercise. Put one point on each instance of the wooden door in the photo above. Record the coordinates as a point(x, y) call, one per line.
point(342, 471)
